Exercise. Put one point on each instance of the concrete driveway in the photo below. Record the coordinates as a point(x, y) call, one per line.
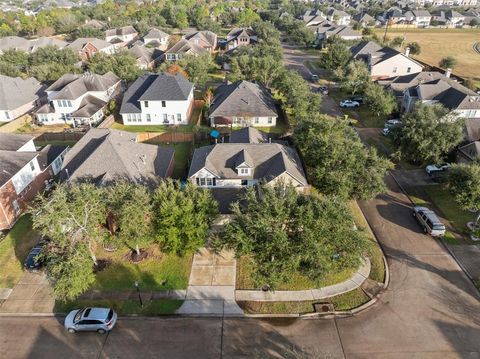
point(430, 310)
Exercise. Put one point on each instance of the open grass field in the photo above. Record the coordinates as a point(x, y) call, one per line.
point(439, 43)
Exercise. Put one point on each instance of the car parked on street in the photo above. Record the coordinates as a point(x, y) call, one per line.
point(314, 78)
point(386, 131)
point(349, 104)
point(88, 319)
point(429, 221)
point(437, 169)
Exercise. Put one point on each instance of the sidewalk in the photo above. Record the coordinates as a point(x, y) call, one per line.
point(211, 287)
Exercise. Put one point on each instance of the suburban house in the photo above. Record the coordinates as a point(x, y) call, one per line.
point(78, 99)
point(469, 152)
point(25, 172)
point(326, 30)
point(421, 18)
point(195, 43)
point(146, 57)
point(237, 165)
point(464, 102)
point(242, 104)
point(158, 99)
point(313, 18)
point(103, 156)
point(94, 24)
point(384, 63)
point(450, 18)
point(339, 17)
point(364, 19)
point(240, 37)
point(18, 96)
point(86, 47)
point(29, 46)
point(121, 36)
point(392, 16)
point(157, 38)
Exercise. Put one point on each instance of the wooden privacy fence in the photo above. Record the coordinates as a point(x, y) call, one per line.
point(165, 137)
point(60, 136)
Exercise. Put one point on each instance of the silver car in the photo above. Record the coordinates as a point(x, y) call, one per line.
point(99, 320)
point(429, 221)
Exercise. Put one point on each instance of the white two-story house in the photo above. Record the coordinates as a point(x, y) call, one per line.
point(78, 99)
point(158, 99)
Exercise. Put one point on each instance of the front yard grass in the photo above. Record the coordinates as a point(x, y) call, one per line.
point(159, 271)
point(438, 197)
point(124, 307)
point(14, 249)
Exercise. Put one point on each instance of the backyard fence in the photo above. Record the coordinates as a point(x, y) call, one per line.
point(165, 137)
point(60, 136)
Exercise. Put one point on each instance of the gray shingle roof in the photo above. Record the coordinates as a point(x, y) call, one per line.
point(105, 155)
point(48, 154)
point(144, 54)
point(12, 142)
point(89, 106)
point(268, 160)
point(125, 30)
point(471, 150)
point(11, 162)
point(363, 49)
point(16, 92)
point(203, 38)
point(155, 87)
point(71, 86)
point(80, 43)
point(243, 99)
point(186, 47)
point(156, 34)
point(248, 135)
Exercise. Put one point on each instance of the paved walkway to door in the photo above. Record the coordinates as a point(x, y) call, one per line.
point(211, 287)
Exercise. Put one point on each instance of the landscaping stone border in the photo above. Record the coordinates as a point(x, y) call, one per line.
point(310, 294)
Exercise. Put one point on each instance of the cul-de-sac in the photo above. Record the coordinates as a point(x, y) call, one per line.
point(240, 179)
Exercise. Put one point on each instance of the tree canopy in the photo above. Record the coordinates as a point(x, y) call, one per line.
point(380, 101)
point(463, 181)
point(284, 233)
point(428, 133)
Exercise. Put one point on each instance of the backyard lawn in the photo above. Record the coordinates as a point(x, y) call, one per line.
point(14, 249)
point(439, 43)
point(158, 272)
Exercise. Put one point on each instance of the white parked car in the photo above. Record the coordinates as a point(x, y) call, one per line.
point(429, 221)
point(392, 123)
point(100, 320)
point(435, 169)
point(349, 103)
point(386, 131)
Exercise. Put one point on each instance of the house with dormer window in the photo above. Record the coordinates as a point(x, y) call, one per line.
point(78, 99)
point(240, 37)
point(236, 165)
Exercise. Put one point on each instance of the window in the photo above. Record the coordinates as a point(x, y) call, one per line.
point(59, 103)
point(244, 183)
point(244, 171)
point(164, 104)
point(16, 206)
point(203, 182)
point(395, 69)
point(149, 119)
point(146, 103)
point(64, 102)
point(409, 69)
point(165, 118)
point(270, 120)
point(179, 117)
point(256, 120)
point(69, 103)
point(7, 115)
point(32, 166)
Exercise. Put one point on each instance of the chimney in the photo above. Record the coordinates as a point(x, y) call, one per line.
point(448, 73)
point(407, 51)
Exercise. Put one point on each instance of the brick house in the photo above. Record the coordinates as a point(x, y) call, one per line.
point(25, 172)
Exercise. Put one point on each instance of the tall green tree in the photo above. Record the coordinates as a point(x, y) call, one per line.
point(337, 161)
point(197, 67)
point(247, 17)
point(380, 101)
point(415, 48)
point(355, 77)
point(448, 62)
point(337, 55)
point(463, 181)
point(428, 134)
point(285, 233)
point(122, 64)
point(182, 216)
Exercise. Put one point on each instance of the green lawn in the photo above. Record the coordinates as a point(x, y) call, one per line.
point(158, 272)
point(438, 197)
point(14, 248)
point(55, 143)
point(140, 128)
point(123, 307)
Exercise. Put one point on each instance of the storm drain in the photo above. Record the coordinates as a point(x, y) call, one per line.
point(323, 307)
